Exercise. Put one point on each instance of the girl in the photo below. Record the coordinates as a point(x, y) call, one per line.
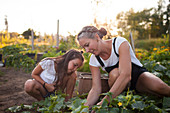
point(52, 74)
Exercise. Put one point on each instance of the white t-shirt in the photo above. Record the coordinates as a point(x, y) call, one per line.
point(113, 59)
point(48, 74)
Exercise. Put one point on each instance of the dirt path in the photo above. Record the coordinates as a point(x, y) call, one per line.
point(12, 88)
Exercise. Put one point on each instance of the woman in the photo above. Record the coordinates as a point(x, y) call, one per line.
point(52, 74)
point(117, 58)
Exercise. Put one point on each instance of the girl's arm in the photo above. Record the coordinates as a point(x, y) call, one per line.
point(124, 71)
point(36, 75)
point(96, 89)
point(70, 84)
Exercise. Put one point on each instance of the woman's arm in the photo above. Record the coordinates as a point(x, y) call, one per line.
point(124, 70)
point(96, 89)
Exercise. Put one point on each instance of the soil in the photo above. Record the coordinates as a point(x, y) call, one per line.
point(12, 88)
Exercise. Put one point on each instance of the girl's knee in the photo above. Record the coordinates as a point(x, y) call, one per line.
point(29, 84)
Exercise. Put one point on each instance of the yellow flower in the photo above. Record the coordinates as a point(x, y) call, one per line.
point(119, 104)
point(155, 49)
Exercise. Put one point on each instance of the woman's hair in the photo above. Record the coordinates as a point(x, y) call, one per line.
point(62, 62)
point(90, 32)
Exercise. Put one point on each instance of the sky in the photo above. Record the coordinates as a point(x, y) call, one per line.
point(73, 15)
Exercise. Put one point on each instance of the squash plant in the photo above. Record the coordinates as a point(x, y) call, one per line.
point(127, 102)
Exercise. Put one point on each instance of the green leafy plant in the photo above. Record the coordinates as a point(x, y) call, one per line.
point(14, 58)
point(127, 102)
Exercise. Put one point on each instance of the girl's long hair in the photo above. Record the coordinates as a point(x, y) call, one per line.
point(62, 63)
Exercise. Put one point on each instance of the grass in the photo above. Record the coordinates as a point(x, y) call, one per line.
point(149, 43)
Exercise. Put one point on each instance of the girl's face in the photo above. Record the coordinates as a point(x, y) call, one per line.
point(73, 65)
point(90, 45)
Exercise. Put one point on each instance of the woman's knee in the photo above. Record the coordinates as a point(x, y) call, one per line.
point(162, 87)
point(150, 83)
point(113, 76)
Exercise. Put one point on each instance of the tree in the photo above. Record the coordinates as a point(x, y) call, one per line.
point(146, 23)
point(27, 34)
point(160, 19)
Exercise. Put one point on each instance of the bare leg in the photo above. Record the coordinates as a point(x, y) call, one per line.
point(149, 83)
point(113, 76)
point(35, 89)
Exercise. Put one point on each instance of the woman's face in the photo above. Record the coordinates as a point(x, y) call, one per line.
point(90, 45)
point(73, 65)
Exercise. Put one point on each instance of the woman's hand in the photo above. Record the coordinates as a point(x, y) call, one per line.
point(100, 103)
point(50, 87)
point(106, 97)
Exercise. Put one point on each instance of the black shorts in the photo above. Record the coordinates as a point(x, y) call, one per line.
point(136, 72)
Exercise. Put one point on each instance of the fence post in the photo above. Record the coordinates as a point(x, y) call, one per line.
point(132, 42)
point(57, 33)
point(32, 39)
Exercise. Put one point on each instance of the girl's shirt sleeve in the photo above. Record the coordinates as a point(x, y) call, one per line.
point(48, 73)
point(45, 64)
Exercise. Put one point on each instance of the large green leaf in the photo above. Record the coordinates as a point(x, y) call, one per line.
point(102, 111)
point(159, 67)
point(114, 110)
point(105, 103)
point(166, 102)
point(168, 73)
point(138, 105)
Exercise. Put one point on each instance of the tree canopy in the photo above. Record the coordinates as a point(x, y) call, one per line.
point(144, 24)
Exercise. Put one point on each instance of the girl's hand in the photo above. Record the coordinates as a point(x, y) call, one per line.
point(50, 87)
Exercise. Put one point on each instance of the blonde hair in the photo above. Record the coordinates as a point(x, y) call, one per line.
point(90, 31)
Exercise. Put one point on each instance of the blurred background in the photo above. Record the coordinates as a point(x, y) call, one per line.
point(49, 27)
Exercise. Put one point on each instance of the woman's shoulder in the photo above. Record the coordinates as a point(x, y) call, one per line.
point(119, 38)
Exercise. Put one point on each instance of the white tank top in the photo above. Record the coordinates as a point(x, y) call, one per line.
point(113, 59)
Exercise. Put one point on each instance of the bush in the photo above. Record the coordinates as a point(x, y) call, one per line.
point(14, 57)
